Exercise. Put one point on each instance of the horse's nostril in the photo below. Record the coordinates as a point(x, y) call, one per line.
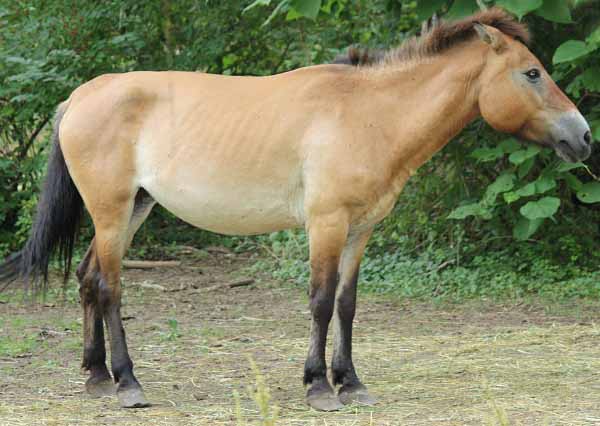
point(587, 137)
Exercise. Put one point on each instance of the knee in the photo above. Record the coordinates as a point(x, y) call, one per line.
point(80, 272)
point(321, 306)
point(346, 307)
point(88, 288)
point(107, 295)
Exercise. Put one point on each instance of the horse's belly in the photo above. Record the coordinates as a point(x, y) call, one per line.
point(229, 210)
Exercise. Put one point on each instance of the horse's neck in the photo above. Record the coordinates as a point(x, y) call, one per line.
point(436, 99)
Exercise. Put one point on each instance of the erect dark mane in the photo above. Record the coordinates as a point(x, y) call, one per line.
point(439, 36)
point(359, 56)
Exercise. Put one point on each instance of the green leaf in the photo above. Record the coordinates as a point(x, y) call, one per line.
point(525, 228)
point(426, 8)
point(525, 167)
point(462, 8)
point(594, 37)
point(591, 79)
point(572, 181)
point(510, 197)
point(565, 167)
point(520, 7)
point(510, 145)
point(543, 184)
point(474, 209)
point(555, 11)
point(308, 8)
point(487, 154)
point(527, 190)
point(540, 209)
point(293, 14)
point(596, 131)
point(589, 192)
point(518, 157)
point(570, 50)
point(503, 183)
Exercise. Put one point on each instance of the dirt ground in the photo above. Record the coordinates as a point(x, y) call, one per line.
point(475, 364)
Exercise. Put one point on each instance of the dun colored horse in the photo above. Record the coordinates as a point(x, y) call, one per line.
point(328, 148)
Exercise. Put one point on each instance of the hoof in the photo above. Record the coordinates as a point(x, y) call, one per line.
point(100, 387)
point(356, 395)
point(321, 397)
point(132, 398)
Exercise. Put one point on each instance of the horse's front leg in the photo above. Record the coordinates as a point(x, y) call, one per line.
point(344, 374)
point(327, 236)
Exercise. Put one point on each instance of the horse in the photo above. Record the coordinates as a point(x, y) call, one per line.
point(327, 147)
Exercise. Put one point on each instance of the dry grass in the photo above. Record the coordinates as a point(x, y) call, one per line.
point(444, 365)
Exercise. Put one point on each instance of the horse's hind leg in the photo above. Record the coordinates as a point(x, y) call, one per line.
point(115, 220)
point(94, 356)
point(352, 389)
point(94, 352)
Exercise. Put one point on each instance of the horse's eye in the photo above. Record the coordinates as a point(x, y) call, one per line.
point(533, 74)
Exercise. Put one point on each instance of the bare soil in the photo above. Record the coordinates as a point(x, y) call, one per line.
point(472, 364)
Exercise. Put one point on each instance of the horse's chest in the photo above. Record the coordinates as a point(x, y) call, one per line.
point(382, 201)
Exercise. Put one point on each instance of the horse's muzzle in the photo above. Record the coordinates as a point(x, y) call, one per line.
point(571, 137)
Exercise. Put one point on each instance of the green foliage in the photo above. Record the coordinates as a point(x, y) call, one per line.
point(555, 11)
point(521, 221)
point(173, 331)
point(571, 50)
point(520, 7)
point(426, 8)
point(589, 193)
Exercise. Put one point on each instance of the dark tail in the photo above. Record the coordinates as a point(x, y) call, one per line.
point(59, 212)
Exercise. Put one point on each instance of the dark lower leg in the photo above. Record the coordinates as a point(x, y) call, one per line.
point(129, 389)
point(315, 366)
point(352, 390)
point(94, 352)
point(320, 395)
point(342, 366)
point(100, 382)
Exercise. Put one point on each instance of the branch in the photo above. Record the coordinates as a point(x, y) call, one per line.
point(32, 138)
point(235, 284)
point(149, 264)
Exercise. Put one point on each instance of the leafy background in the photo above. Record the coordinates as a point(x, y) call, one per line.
point(486, 217)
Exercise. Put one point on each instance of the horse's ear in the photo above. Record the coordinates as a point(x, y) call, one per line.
point(491, 36)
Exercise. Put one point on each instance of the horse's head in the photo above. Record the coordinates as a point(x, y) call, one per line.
point(518, 96)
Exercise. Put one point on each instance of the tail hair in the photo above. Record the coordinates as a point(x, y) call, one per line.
point(54, 229)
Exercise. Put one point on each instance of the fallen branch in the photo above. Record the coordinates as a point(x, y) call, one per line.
point(240, 283)
point(146, 284)
point(149, 264)
point(217, 249)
